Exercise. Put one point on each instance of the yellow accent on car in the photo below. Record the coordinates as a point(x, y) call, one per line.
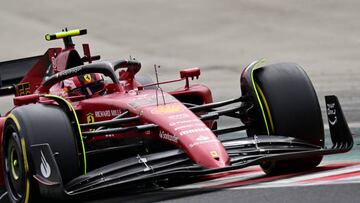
point(27, 194)
point(14, 163)
point(64, 34)
point(77, 123)
point(256, 66)
point(266, 107)
point(15, 121)
point(23, 148)
point(67, 33)
point(24, 154)
point(47, 37)
point(26, 166)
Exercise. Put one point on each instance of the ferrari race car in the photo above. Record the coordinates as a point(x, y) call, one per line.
point(80, 127)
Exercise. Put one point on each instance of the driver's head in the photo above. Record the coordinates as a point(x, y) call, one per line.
point(88, 85)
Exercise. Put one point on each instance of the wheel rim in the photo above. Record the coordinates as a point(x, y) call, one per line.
point(14, 168)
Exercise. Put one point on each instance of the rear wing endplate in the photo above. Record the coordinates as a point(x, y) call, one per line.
point(12, 72)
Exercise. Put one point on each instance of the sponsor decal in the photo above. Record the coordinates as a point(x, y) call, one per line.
point(202, 138)
point(115, 112)
point(168, 108)
point(214, 154)
point(202, 142)
point(133, 105)
point(23, 89)
point(87, 78)
point(142, 100)
point(44, 166)
point(190, 126)
point(183, 122)
point(101, 114)
point(53, 62)
point(133, 92)
point(68, 72)
point(107, 113)
point(195, 130)
point(179, 116)
point(331, 112)
point(167, 136)
point(90, 119)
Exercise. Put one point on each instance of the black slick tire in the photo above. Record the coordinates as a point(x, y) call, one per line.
point(291, 108)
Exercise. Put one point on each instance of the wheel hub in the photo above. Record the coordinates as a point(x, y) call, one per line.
point(14, 162)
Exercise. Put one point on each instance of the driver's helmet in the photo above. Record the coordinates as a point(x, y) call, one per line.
point(88, 85)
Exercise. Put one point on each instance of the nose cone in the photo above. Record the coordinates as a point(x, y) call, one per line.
point(208, 153)
point(185, 130)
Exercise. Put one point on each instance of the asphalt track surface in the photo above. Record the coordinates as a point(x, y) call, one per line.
point(220, 37)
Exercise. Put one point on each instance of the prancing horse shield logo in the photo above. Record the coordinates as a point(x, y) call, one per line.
point(87, 77)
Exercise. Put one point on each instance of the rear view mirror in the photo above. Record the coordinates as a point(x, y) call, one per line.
point(190, 72)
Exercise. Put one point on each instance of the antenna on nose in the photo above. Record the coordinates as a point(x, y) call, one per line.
point(158, 86)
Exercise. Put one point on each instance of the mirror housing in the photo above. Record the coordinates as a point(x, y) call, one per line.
point(190, 73)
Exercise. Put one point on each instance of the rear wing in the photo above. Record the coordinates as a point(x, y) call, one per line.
point(23, 76)
point(11, 72)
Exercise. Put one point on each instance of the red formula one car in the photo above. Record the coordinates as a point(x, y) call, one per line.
point(80, 127)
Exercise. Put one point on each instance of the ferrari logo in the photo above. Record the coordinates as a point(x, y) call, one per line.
point(87, 77)
point(90, 118)
point(214, 154)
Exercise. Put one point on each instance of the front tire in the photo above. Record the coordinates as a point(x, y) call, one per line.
point(289, 107)
point(17, 175)
point(31, 125)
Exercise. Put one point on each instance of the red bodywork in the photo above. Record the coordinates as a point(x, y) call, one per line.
point(178, 126)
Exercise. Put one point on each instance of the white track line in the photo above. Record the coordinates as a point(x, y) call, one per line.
point(296, 181)
point(319, 174)
point(292, 181)
point(223, 180)
point(3, 195)
point(285, 185)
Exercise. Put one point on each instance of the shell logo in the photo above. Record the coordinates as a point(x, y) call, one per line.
point(168, 108)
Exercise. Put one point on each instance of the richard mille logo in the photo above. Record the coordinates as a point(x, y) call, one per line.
point(44, 166)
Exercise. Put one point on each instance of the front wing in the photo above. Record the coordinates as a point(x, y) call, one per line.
point(174, 164)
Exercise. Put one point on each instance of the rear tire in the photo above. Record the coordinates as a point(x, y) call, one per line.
point(36, 124)
point(291, 108)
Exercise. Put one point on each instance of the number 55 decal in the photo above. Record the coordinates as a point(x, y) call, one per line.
point(23, 89)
